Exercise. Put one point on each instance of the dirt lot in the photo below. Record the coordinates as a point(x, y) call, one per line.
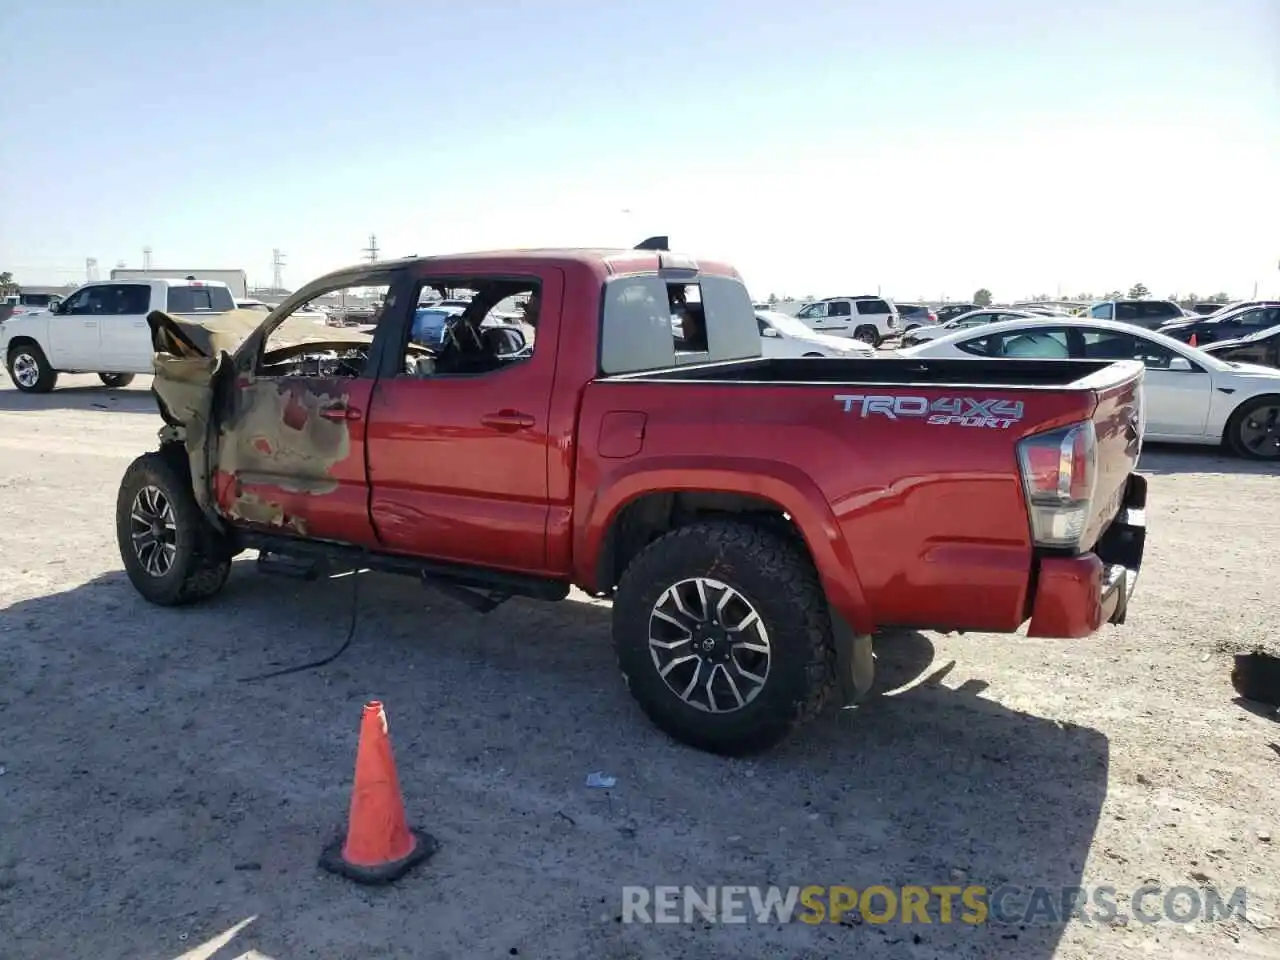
point(150, 802)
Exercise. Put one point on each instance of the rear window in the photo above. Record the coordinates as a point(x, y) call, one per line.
point(866, 307)
point(200, 300)
point(1147, 310)
point(35, 299)
point(650, 323)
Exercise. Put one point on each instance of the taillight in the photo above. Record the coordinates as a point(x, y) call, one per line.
point(1059, 470)
point(933, 317)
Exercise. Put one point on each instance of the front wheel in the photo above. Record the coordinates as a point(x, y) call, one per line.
point(116, 379)
point(723, 636)
point(171, 552)
point(29, 369)
point(867, 334)
point(1254, 429)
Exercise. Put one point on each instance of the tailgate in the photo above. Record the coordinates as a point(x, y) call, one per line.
point(1119, 422)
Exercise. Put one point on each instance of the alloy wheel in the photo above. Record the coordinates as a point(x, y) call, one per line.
point(26, 371)
point(1260, 432)
point(709, 645)
point(154, 530)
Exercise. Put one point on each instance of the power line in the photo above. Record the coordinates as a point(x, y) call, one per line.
point(277, 270)
point(371, 251)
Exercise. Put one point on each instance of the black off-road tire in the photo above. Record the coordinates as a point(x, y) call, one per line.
point(778, 579)
point(116, 379)
point(48, 377)
point(1241, 414)
point(867, 333)
point(202, 558)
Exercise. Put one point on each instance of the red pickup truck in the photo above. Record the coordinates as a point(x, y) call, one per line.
point(754, 520)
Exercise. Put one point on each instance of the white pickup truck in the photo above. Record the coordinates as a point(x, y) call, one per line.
point(100, 328)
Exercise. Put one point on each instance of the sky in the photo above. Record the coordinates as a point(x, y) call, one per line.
point(920, 148)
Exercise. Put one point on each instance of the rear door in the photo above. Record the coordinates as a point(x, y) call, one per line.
point(126, 338)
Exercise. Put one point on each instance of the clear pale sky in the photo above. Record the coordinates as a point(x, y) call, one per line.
point(924, 147)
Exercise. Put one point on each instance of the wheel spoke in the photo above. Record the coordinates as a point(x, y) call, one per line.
point(733, 687)
point(693, 681)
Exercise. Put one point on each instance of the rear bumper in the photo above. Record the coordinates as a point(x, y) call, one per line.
point(1075, 596)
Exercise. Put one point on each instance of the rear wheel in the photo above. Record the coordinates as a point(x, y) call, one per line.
point(723, 636)
point(170, 551)
point(29, 369)
point(867, 334)
point(116, 379)
point(1254, 429)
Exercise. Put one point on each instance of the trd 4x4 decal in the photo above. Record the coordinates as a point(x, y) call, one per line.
point(990, 412)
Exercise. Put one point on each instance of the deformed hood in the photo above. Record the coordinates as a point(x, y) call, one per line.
point(209, 336)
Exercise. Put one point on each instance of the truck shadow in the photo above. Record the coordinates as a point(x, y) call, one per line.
point(1165, 458)
point(89, 398)
point(143, 747)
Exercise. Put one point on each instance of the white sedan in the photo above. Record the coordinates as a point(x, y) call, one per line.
point(782, 335)
point(974, 318)
point(1190, 396)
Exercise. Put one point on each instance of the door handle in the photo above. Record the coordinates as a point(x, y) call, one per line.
point(508, 420)
point(340, 411)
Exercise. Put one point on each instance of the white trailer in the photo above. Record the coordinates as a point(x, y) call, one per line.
point(237, 280)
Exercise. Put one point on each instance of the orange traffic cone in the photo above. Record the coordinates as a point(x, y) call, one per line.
point(379, 846)
point(1192, 341)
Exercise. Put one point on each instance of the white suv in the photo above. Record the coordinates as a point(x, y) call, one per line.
point(866, 318)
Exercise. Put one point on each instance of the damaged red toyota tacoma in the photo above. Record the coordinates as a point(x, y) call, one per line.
point(754, 520)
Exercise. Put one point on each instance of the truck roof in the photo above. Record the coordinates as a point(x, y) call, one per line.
point(171, 281)
point(607, 261)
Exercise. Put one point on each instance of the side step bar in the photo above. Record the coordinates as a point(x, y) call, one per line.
point(306, 558)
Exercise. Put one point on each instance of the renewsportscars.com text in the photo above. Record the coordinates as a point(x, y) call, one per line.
point(941, 904)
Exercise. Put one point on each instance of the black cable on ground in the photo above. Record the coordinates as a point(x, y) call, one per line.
point(351, 633)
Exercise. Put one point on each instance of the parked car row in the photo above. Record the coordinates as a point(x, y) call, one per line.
point(1191, 396)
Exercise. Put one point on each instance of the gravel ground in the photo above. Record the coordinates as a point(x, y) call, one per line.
point(153, 806)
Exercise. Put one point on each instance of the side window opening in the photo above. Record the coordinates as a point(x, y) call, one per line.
point(135, 299)
point(839, 308)
point(815, 311)
point(471, 326)
point(304, 346)
point(873, 307)
point(201, 299)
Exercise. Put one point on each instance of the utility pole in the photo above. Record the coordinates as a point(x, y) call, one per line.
point(371, 251)
point(146, 258)
point(91, 269)
point(277, 271)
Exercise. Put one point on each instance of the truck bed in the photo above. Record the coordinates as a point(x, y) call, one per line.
point(897, 371)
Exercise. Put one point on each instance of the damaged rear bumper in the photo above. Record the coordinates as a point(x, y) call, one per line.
point(1075, 596)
